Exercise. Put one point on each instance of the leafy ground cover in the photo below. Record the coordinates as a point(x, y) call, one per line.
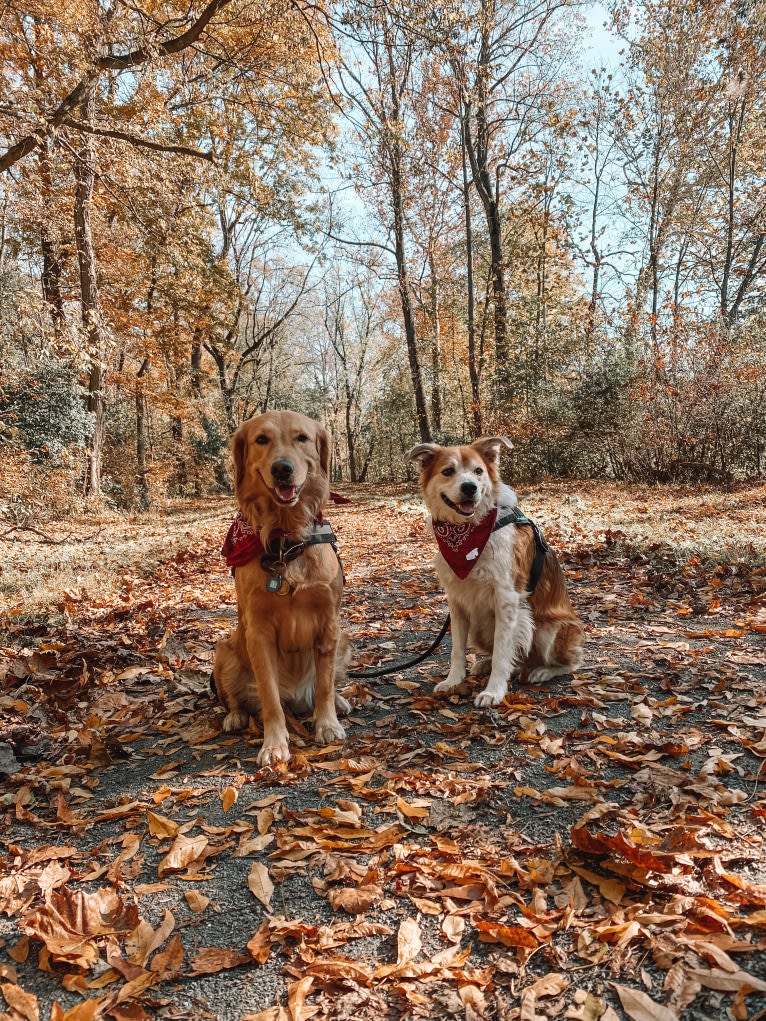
point(591, 849)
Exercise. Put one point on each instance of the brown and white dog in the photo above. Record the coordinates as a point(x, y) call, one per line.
point(287, 645)
point(485, 571)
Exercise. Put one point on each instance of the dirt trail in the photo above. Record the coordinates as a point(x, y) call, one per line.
point(593, 848)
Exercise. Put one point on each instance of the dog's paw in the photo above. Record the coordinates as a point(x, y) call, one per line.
point(342, 705)
point(450, 682)
point(328, 731)
point(541, 674)
point(490, 696)
point(274, 749)
point(235, 720)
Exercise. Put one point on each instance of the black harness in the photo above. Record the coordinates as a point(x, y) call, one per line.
point(284, 549)
point(513, 516)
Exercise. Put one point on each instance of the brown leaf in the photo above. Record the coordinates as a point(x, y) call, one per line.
point(260, 943)
point(727, 981)
point(183, 852)
point(409, 942)
point(260, 885)
point(508, 935)
point(211, 960)
point(296, 999)
point(354, 900)
point(168, 961)
point(641, 1007)
point(197, 901)
point(23, 1003)
point(69, 918)
point(160, 826)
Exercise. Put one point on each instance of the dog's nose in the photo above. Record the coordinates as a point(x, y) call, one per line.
point(282, 470)
point(469, 489)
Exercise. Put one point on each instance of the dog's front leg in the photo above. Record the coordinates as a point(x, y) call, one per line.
point(457, 663)
point(263, 661)
point(326, 726)
point(512, 640)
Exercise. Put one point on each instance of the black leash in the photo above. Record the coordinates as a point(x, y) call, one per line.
point(396, 667)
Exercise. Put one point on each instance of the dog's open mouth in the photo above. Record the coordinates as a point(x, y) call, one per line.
point(287, 494)
point(466, 508)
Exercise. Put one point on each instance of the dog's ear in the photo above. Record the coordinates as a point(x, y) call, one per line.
point(489, 447)
point(323, 446)
point(238, 452)
point(423, 453)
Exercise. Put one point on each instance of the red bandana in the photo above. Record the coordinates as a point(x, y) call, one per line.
point(242, 544)
point(461, 545)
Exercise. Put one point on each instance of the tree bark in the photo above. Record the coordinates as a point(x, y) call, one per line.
point(474, 368)
point(142, 475)
point(92, 320)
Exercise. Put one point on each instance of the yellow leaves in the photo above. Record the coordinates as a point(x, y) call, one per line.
point(260, 885)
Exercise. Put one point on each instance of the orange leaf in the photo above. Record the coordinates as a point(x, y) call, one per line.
point(229, 797)
point(508, 935)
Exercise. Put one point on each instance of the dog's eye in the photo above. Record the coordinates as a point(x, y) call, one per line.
point(479, 471)
point(302, 438)
point(262, 439)
point(446, 472)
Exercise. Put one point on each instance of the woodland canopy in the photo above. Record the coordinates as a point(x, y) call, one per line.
point(411, 221)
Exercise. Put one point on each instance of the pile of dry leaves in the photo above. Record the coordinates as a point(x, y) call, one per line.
point(592, 849)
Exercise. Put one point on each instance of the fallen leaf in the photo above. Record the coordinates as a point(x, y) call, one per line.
point(211, 960)
point(641, 1007)
point(260, 884)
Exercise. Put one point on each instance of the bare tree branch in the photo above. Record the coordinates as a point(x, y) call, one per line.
point(145, 143)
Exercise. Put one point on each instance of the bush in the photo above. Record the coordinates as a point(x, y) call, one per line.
point(45, 409)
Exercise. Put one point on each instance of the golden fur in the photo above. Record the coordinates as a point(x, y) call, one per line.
point(537, 635)
point(286, 648)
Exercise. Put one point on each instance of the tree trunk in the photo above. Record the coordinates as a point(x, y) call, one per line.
point(408, 315)
point(436, 354)
point(142, 475)
point(52, 265)
point(474, 368)
point(92, 320)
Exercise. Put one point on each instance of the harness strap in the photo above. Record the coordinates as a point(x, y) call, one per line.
point(513, 516)
point(283, 549)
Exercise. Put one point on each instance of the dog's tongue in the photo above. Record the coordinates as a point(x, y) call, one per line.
point(287, 493)
point(466, 507)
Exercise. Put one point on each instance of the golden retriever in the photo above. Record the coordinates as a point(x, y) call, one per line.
point(287, 646)
point(485, 560)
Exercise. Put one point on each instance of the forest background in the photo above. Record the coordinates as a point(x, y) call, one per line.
point(410, 221)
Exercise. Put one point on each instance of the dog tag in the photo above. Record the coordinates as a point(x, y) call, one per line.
point(274, 583)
